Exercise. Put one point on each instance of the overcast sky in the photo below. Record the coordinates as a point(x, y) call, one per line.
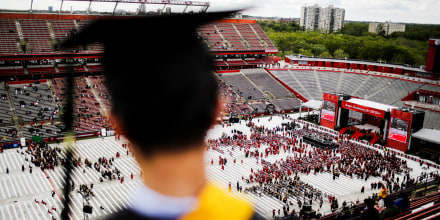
point(408, 11)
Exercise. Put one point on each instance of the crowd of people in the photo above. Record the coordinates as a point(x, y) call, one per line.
point(280, 179)
point(85, 190)
point(232, 106)
point(42, 155)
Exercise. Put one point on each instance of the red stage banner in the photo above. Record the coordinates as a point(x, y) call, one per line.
point(397, 137)
point(330, 97)
point(401, 114)
point(363, 109)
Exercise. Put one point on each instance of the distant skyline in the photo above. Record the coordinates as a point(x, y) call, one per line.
point(406, 11)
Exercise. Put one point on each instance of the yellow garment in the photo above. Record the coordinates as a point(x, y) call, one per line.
point(383, 193)
point(216, 204)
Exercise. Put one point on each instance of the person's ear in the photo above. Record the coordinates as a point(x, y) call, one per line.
point(219, 111)
point(116, 121)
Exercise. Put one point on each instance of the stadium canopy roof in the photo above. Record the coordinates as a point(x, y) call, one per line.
point(305, 58)
point(367, 107)
point(161, 2)
point(429, 135)
point(313, 104)
point(376, 105)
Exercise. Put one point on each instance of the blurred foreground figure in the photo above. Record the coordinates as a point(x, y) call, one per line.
point(159, 73)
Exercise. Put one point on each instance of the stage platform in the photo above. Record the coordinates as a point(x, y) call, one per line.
point(319, 142)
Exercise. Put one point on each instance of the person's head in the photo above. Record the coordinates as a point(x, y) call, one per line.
point(405, 197)
point(159, 75)
point(369, 203)
point(167, 103)
point(388, 202)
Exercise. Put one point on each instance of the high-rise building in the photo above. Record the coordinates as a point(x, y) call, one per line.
point(326, 20)
point(386, 27)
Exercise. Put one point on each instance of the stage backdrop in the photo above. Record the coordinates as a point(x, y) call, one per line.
point(399, 129)
point(329, 111)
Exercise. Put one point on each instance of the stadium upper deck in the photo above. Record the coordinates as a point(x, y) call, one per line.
point(32, 34)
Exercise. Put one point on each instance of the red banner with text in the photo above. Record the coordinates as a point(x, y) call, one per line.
point(363, 109)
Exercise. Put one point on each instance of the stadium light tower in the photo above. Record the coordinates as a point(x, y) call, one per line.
point(204, 5)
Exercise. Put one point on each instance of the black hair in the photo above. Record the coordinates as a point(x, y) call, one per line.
point(165, 106)
point(369, 203)
point(165, 95)
point(388, 202)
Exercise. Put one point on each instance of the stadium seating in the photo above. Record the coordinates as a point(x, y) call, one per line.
point(350, 82)
point(212, 36)
point(238, 37)
point(431, 88)
point(268, 60)
point(328, 80)
point(43, 35)
point(260, 89)
point(62, 29)
point(419, 202)
point(242, 86)
point(41, 69)
point(309, 83)
point(231, 35)
point(266, 83)
point(236, 62)
point(250, 35)
point(260, 33)
point(37, 186)
point(11, 71)
point(254, 61)
point(220, 63)
point(33, 102)
point(5, 109)
point(375, 88)
point(394, 91)
point(259, 107)
point(101, 90)
point(36, 109)
point(10, 38)
point(371, 87)
point(289, 78)
point(432, 120)
point(286, 104)
point(95, 47)
point(36, 33)
point(250, 91)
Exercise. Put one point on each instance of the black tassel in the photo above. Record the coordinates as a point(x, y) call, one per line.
point(68, 123)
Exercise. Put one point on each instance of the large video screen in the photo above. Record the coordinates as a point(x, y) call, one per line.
point(328, 110)
point(398, 130)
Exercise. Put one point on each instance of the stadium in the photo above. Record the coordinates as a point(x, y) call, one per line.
point(303, 137)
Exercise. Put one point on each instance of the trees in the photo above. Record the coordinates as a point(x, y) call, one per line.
point(339, 53)
point(354, 28)
point(325, 54)
point(279, 27)
point(419, 32)
point(352, 42)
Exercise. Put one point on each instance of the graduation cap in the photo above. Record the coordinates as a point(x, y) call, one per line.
point(158, 73)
